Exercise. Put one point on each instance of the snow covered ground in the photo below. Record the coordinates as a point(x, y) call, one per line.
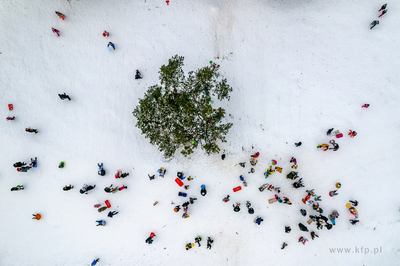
point(297, 68)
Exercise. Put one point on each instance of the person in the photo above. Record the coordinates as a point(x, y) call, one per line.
point(317, 198)
point(303, 212)
point(151, 177)
point(149, 240)
point(298, 184)
point(286, 200)
point(10, 118)
point(64, 96)
point(298, 144)
point(310, 192)
point(242, 164)
point(55, 31)
point(237, 207)
point(365, 105)
point(23, 169)
point(303, 240)
point(17, 188)
point(161, 172)
point(60, 15)
point(293, 160)
point(189, 246)
point(328, 226)
point(68, 187)
point(209, 242)
point(288, 229)
point(325, 146)
point(253, 161)
point(112, 213)
point(255, 155)
point(284, 245)
point(94, 262)
point(374, 23)
point(37, 216)
point(335, 147)
point(122, 188)
point(106, 34)
point(333, 193)
point(303, 227)
point(223, 156)
point(101, 171)
point(123, 175)
point(109, 189)
point(292, 175)
point(313, 235)
point(383, 13)
point(226, 199)
point(354, 202)
point(19, 164)
point(191, 200)
point(383, 7)
point(334, 214)
point(177, 208)
point(352, 133)
point(138, 75)
point(110, 44)
point(353, 222)
point(329, 131)
point(31, 130)
point(101, 223)
point(203, 190)
point(249, 208)
point(197, 240)
point(33, 162)
point(258, 220)
point(86, 188)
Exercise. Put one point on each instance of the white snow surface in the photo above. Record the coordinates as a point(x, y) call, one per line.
point(297, 68)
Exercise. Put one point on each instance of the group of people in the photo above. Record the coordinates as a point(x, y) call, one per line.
point(376, 22)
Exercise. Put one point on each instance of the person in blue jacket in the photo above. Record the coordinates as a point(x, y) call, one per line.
point(94, 262)
point(110, 44)
point(101, 222)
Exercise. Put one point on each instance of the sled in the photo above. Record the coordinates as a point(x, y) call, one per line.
point(264, 186)
point(61, 165)
point(10, 107)
point(339, 135)
point(270, 201)
point(155, 203)
point(237, 189)
point(108, 204)
point(310, 221)
point(179, 182)
point(279, 169)
point(97, 205)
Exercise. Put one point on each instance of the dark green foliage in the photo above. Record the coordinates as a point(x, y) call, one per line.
point(178, 113)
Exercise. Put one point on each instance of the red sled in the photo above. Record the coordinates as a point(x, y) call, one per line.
point(179, 182)
point(108, 204)
point(339, 135)
point(10, 107)
point(237, 189)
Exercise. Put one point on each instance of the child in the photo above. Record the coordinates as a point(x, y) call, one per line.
point(226, 199)
point(189, 246)
point(112, 213)
point(329, 131)
point(365, 105)
point(313, 235)
point(288, 229)
point(283, 245)
point(383, 13)
point(23, 169)
point(33, 162)
point(353, 222)
point(352, 133)
point(94, 262)
point(354, 202)
point(10, 118)
point(101, 171)
point(161, 172)
point(298, 144)
point(106, 34)
point(259, 220)
point(237, 207)
point(197, 240)
point(55, 31)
